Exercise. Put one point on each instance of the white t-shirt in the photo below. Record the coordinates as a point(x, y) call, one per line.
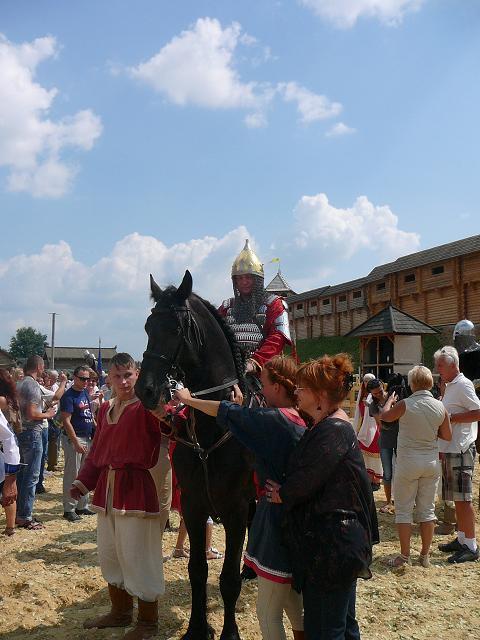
point(10, 453)
point(460, 397)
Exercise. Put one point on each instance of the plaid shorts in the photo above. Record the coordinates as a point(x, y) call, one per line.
point(457, 474)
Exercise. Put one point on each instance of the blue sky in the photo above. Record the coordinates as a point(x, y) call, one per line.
point(155, 136)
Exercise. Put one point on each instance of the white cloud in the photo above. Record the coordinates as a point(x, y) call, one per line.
point(345, 13)
point(31, 143)
point(319, 225)
point(310, 106)
point(198, 68)
point(111, 297)
point(339, 129)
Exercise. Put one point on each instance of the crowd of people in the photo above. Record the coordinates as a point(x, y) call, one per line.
point(314, 521)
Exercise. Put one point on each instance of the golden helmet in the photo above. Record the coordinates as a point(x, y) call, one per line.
point(247, 263)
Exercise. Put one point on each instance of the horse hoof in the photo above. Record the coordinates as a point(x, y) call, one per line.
point(206, 633)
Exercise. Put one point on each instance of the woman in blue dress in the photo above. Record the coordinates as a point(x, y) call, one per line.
point(271, 433)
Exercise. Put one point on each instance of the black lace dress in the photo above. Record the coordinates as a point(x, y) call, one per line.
point(331, 522)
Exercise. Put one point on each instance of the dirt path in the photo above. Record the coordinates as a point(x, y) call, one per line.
point(50, 582)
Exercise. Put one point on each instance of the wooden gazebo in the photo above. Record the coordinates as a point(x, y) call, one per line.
point(390, 342)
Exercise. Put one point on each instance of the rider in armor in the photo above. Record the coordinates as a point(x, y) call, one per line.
point(258, 319)
point(260, 323)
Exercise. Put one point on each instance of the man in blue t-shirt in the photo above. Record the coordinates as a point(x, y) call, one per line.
point(78, 427)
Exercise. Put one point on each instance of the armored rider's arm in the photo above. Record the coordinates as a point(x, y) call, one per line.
point(277, 333)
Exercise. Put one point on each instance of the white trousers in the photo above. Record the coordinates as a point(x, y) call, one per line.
point(130, 548)
point(273, 598)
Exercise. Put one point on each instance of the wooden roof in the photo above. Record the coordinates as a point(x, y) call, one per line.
point(69, 353)
point(279, 285)
point(436, 254)
point(6, 359)
point(391, 321)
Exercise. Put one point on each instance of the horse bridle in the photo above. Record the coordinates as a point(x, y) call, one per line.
point(172, 384)
point(171, 381)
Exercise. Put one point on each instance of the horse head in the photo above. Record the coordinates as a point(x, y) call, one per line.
point(173, 339)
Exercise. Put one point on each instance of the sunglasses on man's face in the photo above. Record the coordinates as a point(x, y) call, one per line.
point(82, 378)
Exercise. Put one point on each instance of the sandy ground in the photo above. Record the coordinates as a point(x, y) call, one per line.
point(50, 582)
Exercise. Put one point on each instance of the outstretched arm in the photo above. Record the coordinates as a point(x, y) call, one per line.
point(210, 407)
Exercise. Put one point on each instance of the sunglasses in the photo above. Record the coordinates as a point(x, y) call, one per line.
point(82, 378)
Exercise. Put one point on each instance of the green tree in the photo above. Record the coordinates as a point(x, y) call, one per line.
point(27, 342)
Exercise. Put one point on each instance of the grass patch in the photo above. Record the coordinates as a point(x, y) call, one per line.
point(330, 345)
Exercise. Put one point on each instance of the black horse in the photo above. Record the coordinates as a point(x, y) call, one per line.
point(189, 342)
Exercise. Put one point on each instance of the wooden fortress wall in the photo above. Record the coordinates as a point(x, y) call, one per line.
point(438, 293)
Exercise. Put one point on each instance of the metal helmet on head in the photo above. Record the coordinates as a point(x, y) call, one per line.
point(247, 263)
point(464, 336)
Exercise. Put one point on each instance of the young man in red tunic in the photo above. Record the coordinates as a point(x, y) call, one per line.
point(128, 468)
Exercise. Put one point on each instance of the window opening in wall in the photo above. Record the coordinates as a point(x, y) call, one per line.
point(313, 303)
point(342, 298)
point(380, 286)
point(437, 270)
point(326, 302)
point(357, 294)
point(299, 307)
point(409, 278)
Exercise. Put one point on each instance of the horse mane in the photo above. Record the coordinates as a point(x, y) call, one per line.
point(168, 296)
point(237, 353)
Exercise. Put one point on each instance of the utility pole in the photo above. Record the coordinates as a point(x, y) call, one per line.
point(53, 340)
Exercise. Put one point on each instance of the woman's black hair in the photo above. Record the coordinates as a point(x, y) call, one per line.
point(374, 384)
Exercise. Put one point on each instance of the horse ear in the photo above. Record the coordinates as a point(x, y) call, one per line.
point(155, 289)
point(185, 289)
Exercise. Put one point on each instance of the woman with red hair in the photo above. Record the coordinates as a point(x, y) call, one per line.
point(331, 522)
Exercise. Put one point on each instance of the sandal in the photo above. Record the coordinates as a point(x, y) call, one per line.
point(8, 531)
point(387, 508)
point(30, 525)
point(395, 562)
point(180, 553)
point(214, 554)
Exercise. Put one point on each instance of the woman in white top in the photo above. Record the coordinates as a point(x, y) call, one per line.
point(422, 419)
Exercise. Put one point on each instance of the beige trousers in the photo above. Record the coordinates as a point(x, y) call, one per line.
point(273, 598)
point(415, 484)
point(130, 547)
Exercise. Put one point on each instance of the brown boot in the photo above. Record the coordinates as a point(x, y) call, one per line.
point(121, 611)
point(449, 515)
point(147, 623)
point(449, 520)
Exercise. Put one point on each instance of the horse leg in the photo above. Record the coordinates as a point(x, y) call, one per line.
point(230, 581)
point(198, 627)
